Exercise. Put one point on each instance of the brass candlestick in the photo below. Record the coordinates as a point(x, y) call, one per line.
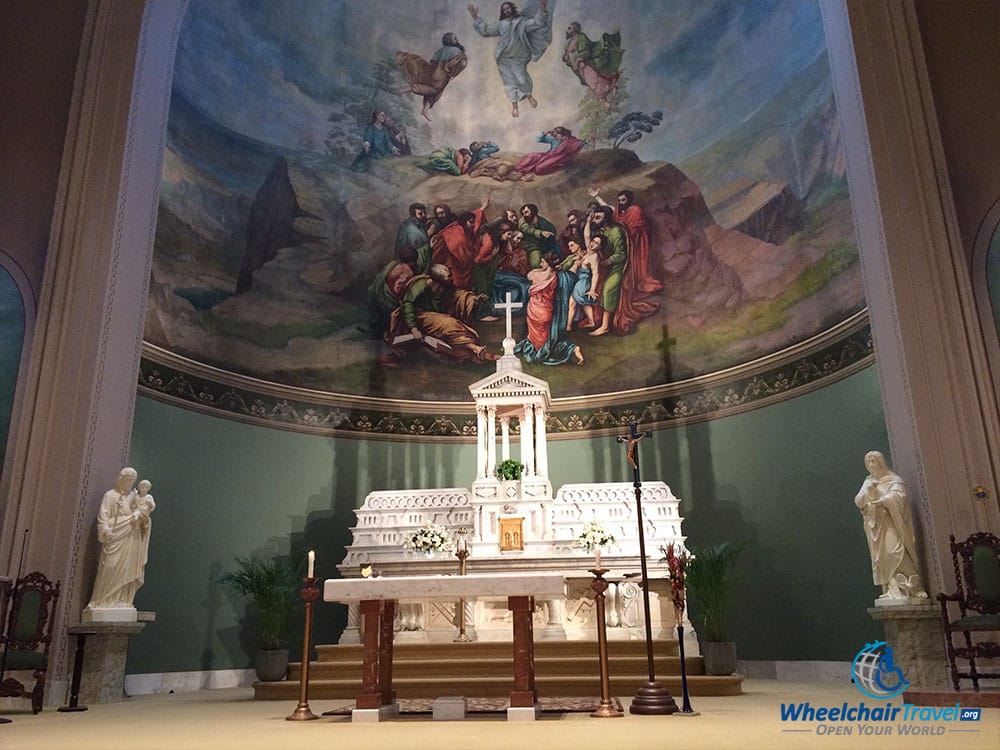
point(606, 710)
point(302, 713)
point(462, 553)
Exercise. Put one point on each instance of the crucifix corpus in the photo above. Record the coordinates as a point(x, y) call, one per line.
point(652, 697)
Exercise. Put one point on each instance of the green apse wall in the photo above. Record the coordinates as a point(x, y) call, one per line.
point(783, 478)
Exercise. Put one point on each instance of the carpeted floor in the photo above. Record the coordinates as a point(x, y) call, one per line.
point(230, 719)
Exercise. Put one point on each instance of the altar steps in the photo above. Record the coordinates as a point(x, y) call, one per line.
point(562, 668)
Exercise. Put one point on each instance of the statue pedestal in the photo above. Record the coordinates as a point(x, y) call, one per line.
point(914, 632)
point(102, 648)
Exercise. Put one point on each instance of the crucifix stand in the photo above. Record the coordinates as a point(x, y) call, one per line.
point(652, 697)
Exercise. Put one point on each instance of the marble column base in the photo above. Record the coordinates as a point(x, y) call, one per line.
point(103, 676)
point(374, 715)
point(917, 639)
point(109, 614)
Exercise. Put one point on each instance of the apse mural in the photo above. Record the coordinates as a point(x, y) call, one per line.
point(352, 193)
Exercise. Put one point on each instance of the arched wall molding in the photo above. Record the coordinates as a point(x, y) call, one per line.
point(28, 304)
point(988, 306)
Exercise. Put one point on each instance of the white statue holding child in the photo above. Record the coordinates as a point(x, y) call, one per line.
point(123, 526)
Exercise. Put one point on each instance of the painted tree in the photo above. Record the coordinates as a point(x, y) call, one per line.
point(596, 117)
point(632, 127)
point(385, 90)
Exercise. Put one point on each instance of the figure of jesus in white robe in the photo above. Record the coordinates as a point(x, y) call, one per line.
point(520, 39)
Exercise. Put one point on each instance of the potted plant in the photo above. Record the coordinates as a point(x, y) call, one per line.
point(269, 588)
point(709, 579)
point(510, 470)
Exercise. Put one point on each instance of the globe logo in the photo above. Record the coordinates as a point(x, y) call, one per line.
point(875, 674)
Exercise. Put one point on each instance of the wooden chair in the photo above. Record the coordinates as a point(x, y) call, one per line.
point(977, 581)
point(25, 644)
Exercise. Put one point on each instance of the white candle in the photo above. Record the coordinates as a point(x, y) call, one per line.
point(597, 557)
point(312, 562)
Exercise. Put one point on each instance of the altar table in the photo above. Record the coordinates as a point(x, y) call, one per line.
point(378, 597)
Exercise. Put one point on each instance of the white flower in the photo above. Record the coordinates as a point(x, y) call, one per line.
point(594, 535)
point(431, 537)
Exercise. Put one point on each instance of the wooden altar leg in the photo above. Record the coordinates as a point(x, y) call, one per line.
point(386, 617)
point(371, 695)
point(524, 694)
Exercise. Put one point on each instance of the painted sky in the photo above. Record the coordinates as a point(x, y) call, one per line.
point(274, 69)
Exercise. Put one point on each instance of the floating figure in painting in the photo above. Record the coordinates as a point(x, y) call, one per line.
point(596, 64)
point(377, 143)
point(433, 312)
point(563, 148)
point(546, 314)
point(429, 78)
point(520, 39)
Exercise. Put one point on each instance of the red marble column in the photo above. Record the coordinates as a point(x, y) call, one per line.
point(524, 694)
point(371, 673)
point(386, 617)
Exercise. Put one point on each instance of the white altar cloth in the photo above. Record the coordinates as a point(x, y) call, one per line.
point(445, 587)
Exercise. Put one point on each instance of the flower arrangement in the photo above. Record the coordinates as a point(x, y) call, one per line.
point(429, 538)
point(677, 560)
point(594, 536)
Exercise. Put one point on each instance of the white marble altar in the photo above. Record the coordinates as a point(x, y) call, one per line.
point(512, 404)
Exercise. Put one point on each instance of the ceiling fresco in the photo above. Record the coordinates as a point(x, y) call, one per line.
point(352, 192)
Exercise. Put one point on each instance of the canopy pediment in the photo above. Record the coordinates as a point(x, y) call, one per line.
point(510, 387)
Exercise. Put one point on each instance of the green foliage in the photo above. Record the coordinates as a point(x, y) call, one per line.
point(510, 469)
point(385, 90)
point(597, 117)
point(633, 126)
point(269, 588)
point(831, 189)
point(709, 580)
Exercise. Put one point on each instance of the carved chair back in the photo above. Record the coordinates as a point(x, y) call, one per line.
point(24, 645)
point(977, 594)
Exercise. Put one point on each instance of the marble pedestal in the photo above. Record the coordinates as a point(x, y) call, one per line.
point(105, 648)
point(917, 640)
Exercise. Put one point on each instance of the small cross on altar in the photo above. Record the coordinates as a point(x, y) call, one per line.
point(508, 307)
